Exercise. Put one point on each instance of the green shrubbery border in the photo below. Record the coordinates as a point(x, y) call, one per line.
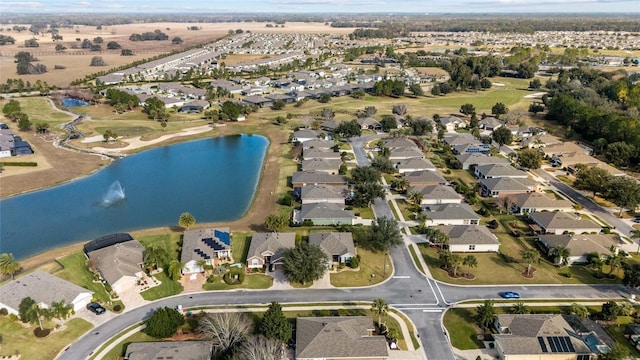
point(19, 163)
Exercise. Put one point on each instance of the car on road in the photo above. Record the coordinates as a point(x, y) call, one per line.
point(636, 220)
point(96, 308)
point(509, 295)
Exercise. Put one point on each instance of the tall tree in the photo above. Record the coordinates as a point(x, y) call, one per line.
point(455, 260)
point(163, 322)
point(499, 109)
point(592, 179)
point(380, 308)
point(155, 254)
point(470, 261)
point(467, 109)
point(186, 220)
point(519, 308)
point(384, 234)
point(9, 265)
point(175, 269)
point(560, 255)
point(304, 263)
point(624, 192)
point(530, 256)
point(276, 222)
point(486, 314)
point(274, 325)
point(259, 347)
point(226, 331)
point(579, 310)
point(502, 136)
point(61, 310)
point(530, 158)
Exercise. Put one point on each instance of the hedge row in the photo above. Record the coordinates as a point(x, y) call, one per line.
point(19, 163)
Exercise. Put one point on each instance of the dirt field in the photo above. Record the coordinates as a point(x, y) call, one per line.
point(78, 60)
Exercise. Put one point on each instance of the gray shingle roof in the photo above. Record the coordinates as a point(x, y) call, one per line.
point(538, 200)
point(306, 133)
point(319, 164)
point(524, 330)
point(182, 350)
point(583, 244)
point(324, 192)
point(460, 138)
point(194, 240)
point(415, 163)
point(424, 177)
point(41, 287)
point(272, 243)
point(480, 159)
point(450, 211)
point(405, 153)
point(500, 170)
point(334, 243)
point(508, 184)
point(400, 142)
point(117, 261)
point(313, 153)
point(316, 177)
point(561, 220)
point(469, 234)
point(325, 211)
point(441, 192)
point(318, 144)
point(338, 337)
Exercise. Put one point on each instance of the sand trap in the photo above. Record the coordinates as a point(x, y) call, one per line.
point(534, 95)
point(92, 139)
point(137, 142)
point(497, 84)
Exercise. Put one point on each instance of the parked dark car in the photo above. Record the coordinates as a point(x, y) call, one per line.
point(510, 295)
point(96, 308)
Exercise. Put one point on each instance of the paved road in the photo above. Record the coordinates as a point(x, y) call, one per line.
point(587, 203)
point(421, 298)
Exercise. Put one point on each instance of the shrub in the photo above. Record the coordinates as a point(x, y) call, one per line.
point(19, 163)
point(235, 276)
point(13, 317)
point(355, 262)
point(117, 308)
point(4, 312)
point(211, 279)
point(163, 323)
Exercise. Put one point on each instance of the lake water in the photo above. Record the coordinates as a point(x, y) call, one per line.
point(71, 102)
point(213, 179)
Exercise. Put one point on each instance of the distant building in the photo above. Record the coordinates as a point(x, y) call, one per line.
point(204, 245)
point(118, 258)
point(177, 350)
point(267, 249)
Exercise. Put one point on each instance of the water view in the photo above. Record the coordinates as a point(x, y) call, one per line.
point(213, 179)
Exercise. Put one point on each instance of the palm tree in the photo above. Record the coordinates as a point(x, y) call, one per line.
point(486, 314)
point(530, 256)
point(186, 220)
point(415, 197)
point(61, 310)
point(380, 309)
point(441, 238)
point(201, 263)
point(560, 255)
point(455, 260)
point(422, 218)
point(596, 262)
point(155, 254)
point(445, 258)
point(519, 308)
point(579, 310)
point(9, 265)
point(470, 261)
point(175, 269)
point(635, 234)
point(400, 184)
point(614, 260)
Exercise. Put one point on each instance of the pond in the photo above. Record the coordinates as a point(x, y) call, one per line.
point(213, 179)
point(71, 102)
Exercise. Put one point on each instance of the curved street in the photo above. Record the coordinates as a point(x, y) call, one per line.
point(421, 298)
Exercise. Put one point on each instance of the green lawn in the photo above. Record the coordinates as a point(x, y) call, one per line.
point(405, 209)
point(393, 209)
point(412, 250)
point(167, 241)
point(616, 331)
point(370, 263)
point(118, 350)
point(251, 281)
point(19, 339)
point(365, 212)
point(76, 271)
point(461, 328)
point(240, 242)
point(40, 111)
point(168, 287)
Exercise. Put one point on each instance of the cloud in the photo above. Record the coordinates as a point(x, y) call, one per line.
point(31, 4)
point(81, 3)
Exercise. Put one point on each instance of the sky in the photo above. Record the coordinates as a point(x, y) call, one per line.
point(323, 6)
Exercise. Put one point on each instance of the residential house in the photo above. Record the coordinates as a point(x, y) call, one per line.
point(559, 149)
point(324, 214)
point(474, 148)
point(304, 178)
point(469, 160)
point(450, 214)
point(537, 201)
point(451, 123)
point(369, 123)
point(581, 245)
point(338, 246)
point(424, 178)
point(318, 144)
point(257, 101)
point(453, 139)
point(118, 258)
point(470, 238)
point(399, 142)
point(329, 125)
point(539, 141)
point(505, 186)
point(398, 154)
point(339, 337)
point(437, 194)
point(414, 164)
point(184, 350)
point(302, 135)
point(323, 194)
point(570, 161)
point(201, 247)
point(491, 171)
point(287, 99)
point(330, 166)
point(540, 337)
point(490, 123)
point(267, 249)
point(44, 289)
point(559, 222)
point(313, 153)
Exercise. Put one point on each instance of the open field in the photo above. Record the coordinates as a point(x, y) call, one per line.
point(77, 60)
